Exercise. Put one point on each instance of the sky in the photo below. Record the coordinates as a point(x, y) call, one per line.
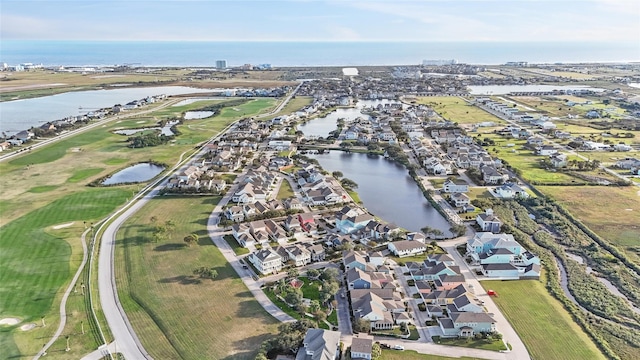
point(318, 20)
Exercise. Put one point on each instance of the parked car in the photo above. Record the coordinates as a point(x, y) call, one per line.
point(398, 347)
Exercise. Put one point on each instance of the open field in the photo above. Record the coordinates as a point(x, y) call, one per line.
point(175, 314)
point(526, 161)
point(295, 104)
point(611, 212)
point(35, 261)
point(484, 344)
point(457, 110)
point(544, 326)
point(47, 187)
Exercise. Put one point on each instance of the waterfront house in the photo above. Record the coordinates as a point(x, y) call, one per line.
point(455, 186)
point(404, 248)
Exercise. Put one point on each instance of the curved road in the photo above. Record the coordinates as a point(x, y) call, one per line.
point(125, 338)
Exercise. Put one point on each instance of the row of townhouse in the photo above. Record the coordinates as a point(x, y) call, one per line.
point(199, 177)
point(508, 110)
point(443, 289)
point(500, 255)
point(263, 232)
point(269, 260)
point(240, 213)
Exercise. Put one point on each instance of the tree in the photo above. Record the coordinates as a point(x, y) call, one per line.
point(458, 229)
point(170, 225)
point(329, 274)
point(313, 273)
point(206, 273)
point(329, 289)
point(191, 239)
point(362, 325)
point(376, 351)
point(337, 174)
point(349, 184)
point(293, 297)
point(293, 273)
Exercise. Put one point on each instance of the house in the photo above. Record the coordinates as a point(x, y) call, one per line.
point(292, 224)
point(558, 160)
point(306, 222)
point(350, 224)
point(460, 199)
point(466, 324)
point(358, 279)
point(404, 248)
point(489, 222)
point(500, 270)
point(491, 175)
point(455, 186)
point(319, 344)
point(266, 261)
point(234, 213)
point(354, 259)
point(361, 346)
point(510, 191)
point(317, 252)
point(546, 150)
point(484, 242)
point(298, 255)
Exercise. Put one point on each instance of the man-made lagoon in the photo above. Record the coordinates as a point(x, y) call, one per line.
point(386, 189)
point(136, 173)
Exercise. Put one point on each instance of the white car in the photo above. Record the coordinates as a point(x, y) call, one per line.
point(398, 347)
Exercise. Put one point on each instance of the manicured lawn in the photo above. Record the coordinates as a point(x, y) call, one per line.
point(239, 250)
point(544, 326)
point(281, 304)
point(354, 195)
point(35, 263)
point(285, 190)
point(457, 110)
point(42, 189)
point(311, 288)
point(484, 344)
point(175, 314)
point(413, 355)
point(83, 174)
point(612, 212)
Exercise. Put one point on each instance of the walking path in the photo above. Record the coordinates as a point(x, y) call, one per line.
point(63, 303)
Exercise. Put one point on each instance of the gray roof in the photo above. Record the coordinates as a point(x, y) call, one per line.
point(323, 343)
point(362, 344)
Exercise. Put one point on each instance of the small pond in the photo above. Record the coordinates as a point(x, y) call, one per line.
point(136, 173)
point(189, 115)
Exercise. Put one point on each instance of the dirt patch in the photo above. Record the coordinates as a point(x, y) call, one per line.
point(27, 327)
point(9, 321)
point(62, 226)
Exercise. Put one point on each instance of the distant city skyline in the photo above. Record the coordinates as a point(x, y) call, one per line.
point(315, 20)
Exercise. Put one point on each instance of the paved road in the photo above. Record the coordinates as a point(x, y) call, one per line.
point(216, 234)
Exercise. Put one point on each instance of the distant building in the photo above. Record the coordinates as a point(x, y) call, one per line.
point(221, 64)
point(517, 63)
point(439, 62)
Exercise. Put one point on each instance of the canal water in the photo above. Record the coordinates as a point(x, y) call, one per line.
point(136, 173)
point(20, 115)
point(386, 189)
point(321, 127)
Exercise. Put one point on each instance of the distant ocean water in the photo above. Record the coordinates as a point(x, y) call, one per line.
point(205, 54)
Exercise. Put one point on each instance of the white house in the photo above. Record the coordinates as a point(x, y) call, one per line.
point(404, 248)
point(266, 261)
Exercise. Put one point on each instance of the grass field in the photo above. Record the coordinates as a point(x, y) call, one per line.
point(175, 314)
point(612, 212)
point(35, 262)
point(294, 105)
point(484, 344)
point(457, 110)
point(546, 329)
point(526, 161)
point(285, 190)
